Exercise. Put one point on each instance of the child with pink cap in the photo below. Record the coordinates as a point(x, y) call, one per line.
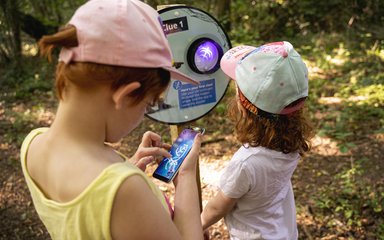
point(114, 63)
point(255, 192)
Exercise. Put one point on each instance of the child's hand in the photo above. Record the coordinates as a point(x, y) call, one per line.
point(151, 149)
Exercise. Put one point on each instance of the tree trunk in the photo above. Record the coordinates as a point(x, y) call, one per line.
point(11, 39)
point(15, 25)
point(224, 13)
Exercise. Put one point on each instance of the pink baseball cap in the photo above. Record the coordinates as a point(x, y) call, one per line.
point(123, 33)
point(270, 77)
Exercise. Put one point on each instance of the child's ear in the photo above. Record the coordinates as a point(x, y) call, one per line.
point(123, 91)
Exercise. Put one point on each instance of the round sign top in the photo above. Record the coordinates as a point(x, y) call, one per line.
point(197, 42)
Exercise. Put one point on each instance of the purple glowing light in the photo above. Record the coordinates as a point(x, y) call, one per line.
point(206, 56)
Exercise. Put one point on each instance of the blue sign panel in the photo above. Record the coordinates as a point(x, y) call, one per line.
point(192, 95)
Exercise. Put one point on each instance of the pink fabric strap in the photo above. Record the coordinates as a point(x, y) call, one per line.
point(169, 206)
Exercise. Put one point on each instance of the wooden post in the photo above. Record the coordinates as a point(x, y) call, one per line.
point(160, 7)
point(175, 131)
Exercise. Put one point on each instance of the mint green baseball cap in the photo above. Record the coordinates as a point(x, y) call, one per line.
point(271, 76)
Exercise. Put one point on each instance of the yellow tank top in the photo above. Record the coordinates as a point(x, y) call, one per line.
point(88, 215)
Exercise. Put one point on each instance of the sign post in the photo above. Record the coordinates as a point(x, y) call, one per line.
point(197, 42)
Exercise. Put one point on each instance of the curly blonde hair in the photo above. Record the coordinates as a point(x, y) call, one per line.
point(285, 133)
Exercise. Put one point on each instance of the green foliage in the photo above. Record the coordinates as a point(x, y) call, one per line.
point(30, 82)
point(221, 109)
point(53, 12)
point(345, 125)
point(23, 81)
point(353, 199)
point(261, 21)
point(351, 76)
point(19, 122)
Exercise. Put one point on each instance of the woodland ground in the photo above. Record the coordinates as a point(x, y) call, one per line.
point(317, 181)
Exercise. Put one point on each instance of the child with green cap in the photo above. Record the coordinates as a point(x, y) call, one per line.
point(255, 192)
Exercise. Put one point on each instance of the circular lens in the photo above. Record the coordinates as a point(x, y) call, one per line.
point(204, 56)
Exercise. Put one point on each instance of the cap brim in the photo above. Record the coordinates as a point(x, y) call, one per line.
point(177, 75)
point(230, 59)
point(293, 108)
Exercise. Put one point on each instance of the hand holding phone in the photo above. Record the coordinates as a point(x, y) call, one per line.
point(169, 167)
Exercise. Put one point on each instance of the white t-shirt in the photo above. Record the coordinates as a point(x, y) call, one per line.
point(261, 179)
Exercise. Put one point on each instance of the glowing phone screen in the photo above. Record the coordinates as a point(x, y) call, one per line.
point(168, 167)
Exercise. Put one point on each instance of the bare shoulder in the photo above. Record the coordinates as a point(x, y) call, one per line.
point(51, 166)
point(138, 214)
point(36, 154)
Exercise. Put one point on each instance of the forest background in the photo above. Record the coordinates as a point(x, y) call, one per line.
point(339, 186)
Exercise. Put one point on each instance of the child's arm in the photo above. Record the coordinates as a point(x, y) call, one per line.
point(187, 208)
point(138, 214)
point(216, 209)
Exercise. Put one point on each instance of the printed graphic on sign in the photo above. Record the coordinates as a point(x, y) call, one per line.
point(192, 95)
point(175, 25)
point(177, 84)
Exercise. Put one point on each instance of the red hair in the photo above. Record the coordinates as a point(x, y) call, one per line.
point(87, 76)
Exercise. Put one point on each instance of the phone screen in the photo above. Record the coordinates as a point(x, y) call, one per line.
point(168, 167)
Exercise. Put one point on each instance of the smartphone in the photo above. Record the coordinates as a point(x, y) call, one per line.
point(168, 167)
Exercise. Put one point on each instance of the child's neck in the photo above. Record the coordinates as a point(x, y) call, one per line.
point(80, 121)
